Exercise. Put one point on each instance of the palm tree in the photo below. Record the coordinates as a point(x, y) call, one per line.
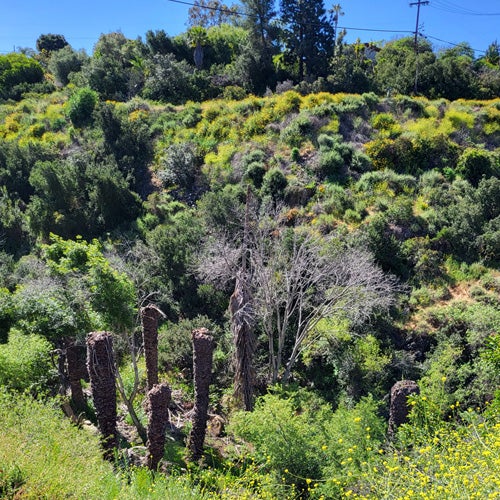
point(197, 38)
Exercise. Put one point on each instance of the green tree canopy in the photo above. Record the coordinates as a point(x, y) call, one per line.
point(50, 42)
point(308, 36)
point(17, 69)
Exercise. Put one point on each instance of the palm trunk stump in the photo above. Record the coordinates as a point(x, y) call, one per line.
point(77, 370)
point(101, 368)
point(399, 409)
point(203, 346)
point(149, 318)
point(157, 409)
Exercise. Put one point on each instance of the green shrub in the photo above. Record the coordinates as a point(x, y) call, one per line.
point(360, 162)
point(65, 61)
point(6, 314)
point(256, 155)
point(175, 350)
point(295, 155)
point(18, 73)
point(25, 362)
point(297, 131)
point(402, 103)
point(11, 480)
point(301, 441)
point(461, 330)
point(287, 436)
point(234, 93)
point(352, 216)
point(331, 164)
point(383, 121)
point(274, 184)
point(180, 165)
point(474, 164)
point(337, 200)
point(81, 105)
point(326, 142)
point(255, 173)
point(398, 183)
point(353, 438)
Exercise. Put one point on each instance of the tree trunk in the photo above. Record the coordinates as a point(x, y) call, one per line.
point(203, 346)
point(129, 403)
point(399, 410)
point(157, 410)
point(244, 342)
point(101, 368)
point(198, 55)
point(77, 370)
point(149, 318)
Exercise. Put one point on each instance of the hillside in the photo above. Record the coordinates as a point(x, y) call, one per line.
point(361, 234)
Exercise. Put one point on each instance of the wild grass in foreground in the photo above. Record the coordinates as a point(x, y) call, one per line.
point(44, 456)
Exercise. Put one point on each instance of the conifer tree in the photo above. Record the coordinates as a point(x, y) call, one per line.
point(308, 36)
point(262, 42)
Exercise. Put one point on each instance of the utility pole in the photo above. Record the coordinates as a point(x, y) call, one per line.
point(418, 3)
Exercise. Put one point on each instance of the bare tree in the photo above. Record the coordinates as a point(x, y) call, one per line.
point(133, 261)
point(128, 399)
point(301, 279)
point(297, 278)
point(208, 13)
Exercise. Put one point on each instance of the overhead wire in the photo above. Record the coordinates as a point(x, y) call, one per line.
point(245, 14)
point(453, 8)
point(442, 5)
point(450, 43)
point(445, 3)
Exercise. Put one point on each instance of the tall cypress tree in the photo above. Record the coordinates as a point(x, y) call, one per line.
point(308, 36)
point(263, 42)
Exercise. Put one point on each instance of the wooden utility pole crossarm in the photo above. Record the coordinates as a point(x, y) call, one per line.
point(418, 3)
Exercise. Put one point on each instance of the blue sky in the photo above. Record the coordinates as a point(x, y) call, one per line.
point(22, 21)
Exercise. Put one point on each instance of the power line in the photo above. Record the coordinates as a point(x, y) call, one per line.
point(418, 3)
point(244, 14)
point(218, 9)
point(451, 43)
point(452, 8)
point(443, 3)
point(376, 30)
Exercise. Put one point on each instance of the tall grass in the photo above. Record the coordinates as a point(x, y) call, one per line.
point(44, 456)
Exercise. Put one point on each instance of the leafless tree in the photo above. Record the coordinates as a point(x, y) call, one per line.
point(297, 278)
point(133, 260)
point(128, 399)
point(208, 13)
